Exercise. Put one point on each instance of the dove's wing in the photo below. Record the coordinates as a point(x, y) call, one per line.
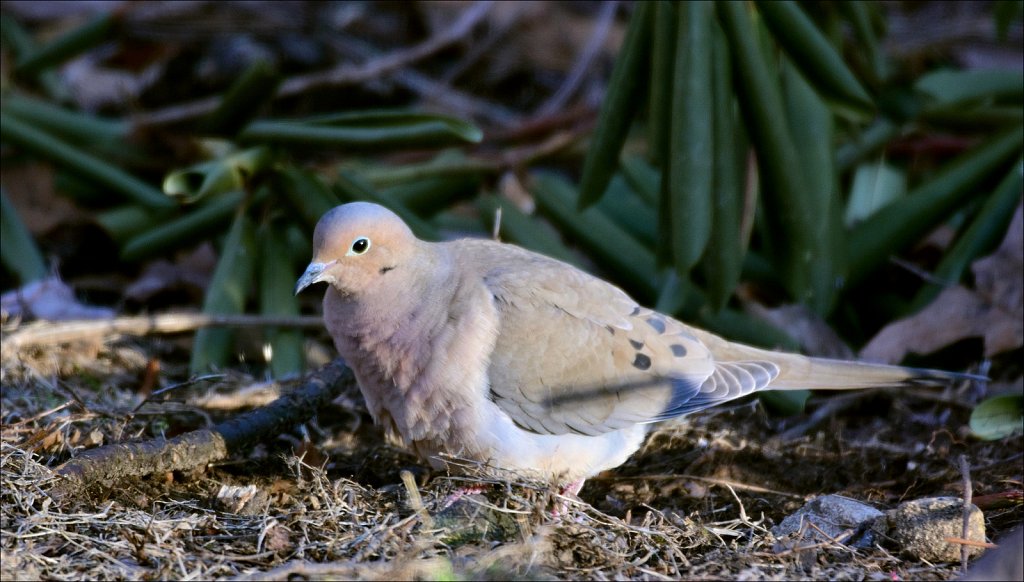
point(577, 355)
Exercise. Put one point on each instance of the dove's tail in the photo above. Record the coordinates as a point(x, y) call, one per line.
point(800, 372)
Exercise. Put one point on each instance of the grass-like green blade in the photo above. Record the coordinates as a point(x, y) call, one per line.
point(865, 143)
point(447, 164)
point(788, 214)
point(43, 144)
point(857, 12)
point(366, 131)
point(202, 222)
point(21, 43)
point(19, 252)
point(74, 126)
point(231, 172)
point(663, 54)
point(607, 242)
point(629, 211)
point(905, 221)
point(227, 294)
point(307, 194)
point(243, 100)
point(428, 196)
point(643, 178)
point(277, 298)
point(813, 54)
point(621, 102)
point(984, 233)
point(723, 259)
point(948, 87)
point(66, 46)
point(691, 149)
point(124, 222)
point(811, 128)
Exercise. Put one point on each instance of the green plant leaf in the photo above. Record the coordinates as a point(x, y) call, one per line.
point(947, 87)
point(614, 247)
point(906, 220)
point(812, 131)
point(277, 298)
point(367, 130)
point(874, 186)
point(98, 30)
point(307, 194)
point(983, 234)
point(789, 214)
point(820, 63)
point(232, 172)
point(17, 249)
point(663, 55)
point(229, 288)
point(243, 100)
point(723, 258)
point(47, 146)
point(690, 169)
point(998, 417)
point(621, 102)
point(205, 220)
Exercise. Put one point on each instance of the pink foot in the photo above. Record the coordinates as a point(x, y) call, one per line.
point(462, 492)
point(571, 490)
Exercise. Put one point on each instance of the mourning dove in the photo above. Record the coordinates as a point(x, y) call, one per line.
point(489, 352)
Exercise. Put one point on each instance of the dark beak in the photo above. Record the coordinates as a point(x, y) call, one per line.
point(312, 275)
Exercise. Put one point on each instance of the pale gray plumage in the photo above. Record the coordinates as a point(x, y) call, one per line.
point(490, 352)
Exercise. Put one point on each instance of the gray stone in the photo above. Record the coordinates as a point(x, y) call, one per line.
point(919, 528)
point(831, 514)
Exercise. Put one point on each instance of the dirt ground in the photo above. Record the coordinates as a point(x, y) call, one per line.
point(327, 499)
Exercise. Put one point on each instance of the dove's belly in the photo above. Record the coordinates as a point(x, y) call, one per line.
point(563, 458)
point(494, 440)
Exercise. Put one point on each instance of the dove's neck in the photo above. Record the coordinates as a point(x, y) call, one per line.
point(388, 330)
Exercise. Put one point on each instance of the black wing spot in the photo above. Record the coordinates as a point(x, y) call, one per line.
point(678, 350)
point(637, 344)
point(642, 362)
point(657, 323)
point(635, 312)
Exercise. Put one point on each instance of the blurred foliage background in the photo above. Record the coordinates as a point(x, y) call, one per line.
point(846, 160)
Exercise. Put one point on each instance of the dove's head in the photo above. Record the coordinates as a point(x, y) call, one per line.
point(356, 246)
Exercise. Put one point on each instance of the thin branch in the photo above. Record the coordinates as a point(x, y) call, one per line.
point(572, 82)
point(685, 477)
point(965, 472)
point(346, 74)
point(104, 466)
point(55, 332)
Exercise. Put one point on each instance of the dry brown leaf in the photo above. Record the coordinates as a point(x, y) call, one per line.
point(993, 311)
point(816, 337)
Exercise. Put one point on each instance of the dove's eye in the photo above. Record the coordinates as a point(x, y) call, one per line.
point(359, 246)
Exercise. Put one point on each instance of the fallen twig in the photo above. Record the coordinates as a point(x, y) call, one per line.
point(55, 332)
point(965, 472)
point(106, 465)
point(602, 25)
point(964, 543)
point(346, 74)
point(684, 477)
